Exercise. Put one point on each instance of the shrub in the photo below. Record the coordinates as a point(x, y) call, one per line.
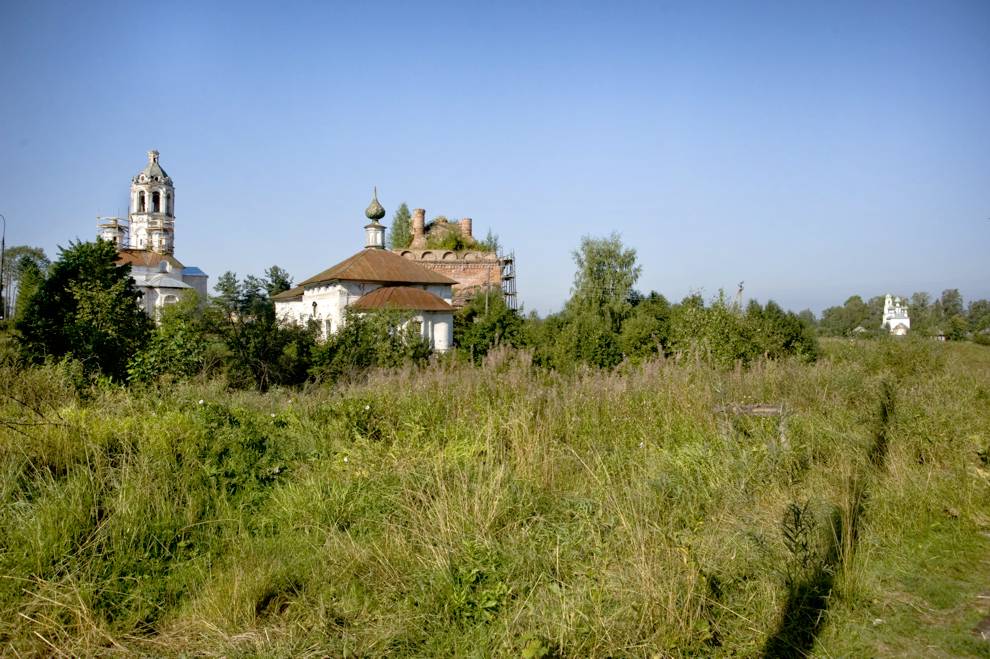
point(86, 308)
point(485, 323)
point(380, 339)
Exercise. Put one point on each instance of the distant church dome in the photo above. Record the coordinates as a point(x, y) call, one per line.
point(153, 173)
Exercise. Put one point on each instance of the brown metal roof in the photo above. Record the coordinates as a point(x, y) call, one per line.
point(401, 297)
point(291, 294)
point(379, 265)
point(146, 258)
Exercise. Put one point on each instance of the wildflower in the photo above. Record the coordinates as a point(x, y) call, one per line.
point(641, 444)
point(273, 415)
point(367, 407)
point(345, 458)
point(200, 401)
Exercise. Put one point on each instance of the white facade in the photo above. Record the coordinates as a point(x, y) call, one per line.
point(895, 316)
point(327, 302)
point(164, 285)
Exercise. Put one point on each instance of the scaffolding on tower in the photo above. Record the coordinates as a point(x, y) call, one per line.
point(113, 229)
point(508, 264)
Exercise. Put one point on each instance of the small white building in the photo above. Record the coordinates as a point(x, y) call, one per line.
point(895, 316)
point(146, 241)
point(370, 280)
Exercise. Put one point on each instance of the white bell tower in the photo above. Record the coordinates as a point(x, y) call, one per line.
point(152, 214)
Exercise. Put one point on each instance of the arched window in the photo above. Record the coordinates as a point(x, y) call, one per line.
point(169, 207)
point(140, 202)
point(156, 202)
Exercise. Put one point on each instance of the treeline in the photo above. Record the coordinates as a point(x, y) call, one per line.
point(946, 316)
point(83, 310)
point(607, 321)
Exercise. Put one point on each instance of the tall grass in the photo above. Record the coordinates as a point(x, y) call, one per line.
point(501, 510)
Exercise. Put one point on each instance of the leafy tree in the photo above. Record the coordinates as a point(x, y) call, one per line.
point(277, 281)
point(586, 338)
point(949, 316)
point(485, 323)
point(400, 235)
point(921, 313)
point(490, 243)
point(841, 321)
point(605, 276)
point(29, 279)
point(979, 315)
point(178, 348)
point(807, 316)
point(380, 339)
point(17, 260)
point(951, 303)
point(723, 335)
point(647, 329)
point(956, 328)
point(86, 307)
point(718, 334)
point(778, 333)
point(261, 351)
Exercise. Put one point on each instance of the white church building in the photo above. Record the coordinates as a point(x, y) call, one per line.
point(895, 316)
point(146, 241)
point(373, 279)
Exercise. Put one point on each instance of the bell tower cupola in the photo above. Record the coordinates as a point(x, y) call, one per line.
point(374, 232)
point(152, 213)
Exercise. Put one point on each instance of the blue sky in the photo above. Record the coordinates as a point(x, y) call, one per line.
point(812, 150)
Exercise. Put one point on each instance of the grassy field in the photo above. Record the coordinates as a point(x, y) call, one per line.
point(505, 510)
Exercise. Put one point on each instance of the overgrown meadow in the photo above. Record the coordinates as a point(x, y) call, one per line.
point(506, 510)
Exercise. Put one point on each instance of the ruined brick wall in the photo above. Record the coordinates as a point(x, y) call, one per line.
point(472, 270)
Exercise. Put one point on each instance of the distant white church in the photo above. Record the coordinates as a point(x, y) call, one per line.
point(374, 278)
point(146, 241)
point(895, 316)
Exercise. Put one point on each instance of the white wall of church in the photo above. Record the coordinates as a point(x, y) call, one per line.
point(444, 292)
point(438, 328)
point(332, 299)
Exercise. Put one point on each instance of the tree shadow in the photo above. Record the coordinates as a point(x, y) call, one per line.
point(878, 452)
point(807, 602)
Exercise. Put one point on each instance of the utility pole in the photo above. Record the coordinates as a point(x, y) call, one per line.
point(3, 254)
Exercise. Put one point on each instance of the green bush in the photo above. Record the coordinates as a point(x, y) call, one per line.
point(87, 308)
point(484, 323)
point(380, 339)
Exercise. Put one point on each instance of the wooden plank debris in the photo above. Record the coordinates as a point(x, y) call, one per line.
point(757, 409)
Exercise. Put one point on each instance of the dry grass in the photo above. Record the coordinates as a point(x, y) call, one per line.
point(501, 510)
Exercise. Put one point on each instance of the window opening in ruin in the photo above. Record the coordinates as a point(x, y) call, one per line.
point(140, 204)
point(156, 202)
